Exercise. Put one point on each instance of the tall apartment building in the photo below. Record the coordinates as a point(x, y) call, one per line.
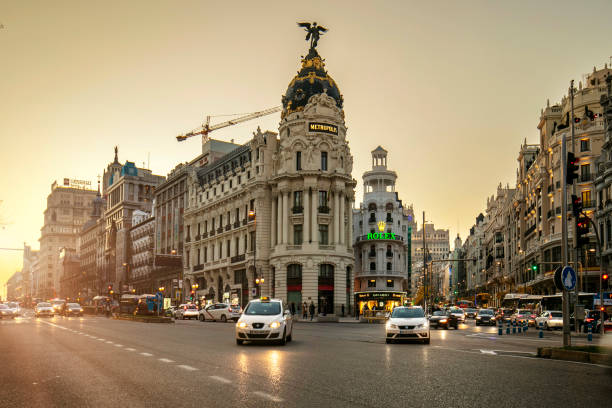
point(126, 188)
point(68, 208)
point(90, 251)
point(437, 244)
point(381, 227)
point(272, 217)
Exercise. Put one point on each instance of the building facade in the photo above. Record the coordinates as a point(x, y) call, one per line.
point(381, 230)
point(603, 181)
point(68, 208)
point(272, 217)
point(141, 262)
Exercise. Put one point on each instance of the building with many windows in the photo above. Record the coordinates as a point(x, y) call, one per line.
point(381, 227)
point(273, 217)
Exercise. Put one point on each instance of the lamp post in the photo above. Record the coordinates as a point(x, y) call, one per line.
point(194, 287)
point(161, 289)
point(259, 281)
point(127, 274)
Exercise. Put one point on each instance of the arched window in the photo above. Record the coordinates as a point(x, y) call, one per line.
point(372, 207)
point(389, 207)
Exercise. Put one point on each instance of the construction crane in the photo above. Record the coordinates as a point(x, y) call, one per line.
point(205, 129)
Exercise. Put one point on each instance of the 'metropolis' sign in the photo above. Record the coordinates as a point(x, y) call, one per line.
point(322, 128)
point(77, 183)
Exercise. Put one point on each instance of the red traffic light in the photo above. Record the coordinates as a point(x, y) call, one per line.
point(605, 276)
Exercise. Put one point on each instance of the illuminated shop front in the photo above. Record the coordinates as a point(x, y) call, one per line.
point(379, 300)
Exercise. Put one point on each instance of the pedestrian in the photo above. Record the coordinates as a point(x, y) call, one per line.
point(108, 309)
point(304, 311)
point(292, 308)
point(324, 307)
point(311, 310)
point(343, 310)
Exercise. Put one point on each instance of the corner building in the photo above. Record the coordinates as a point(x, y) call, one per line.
point(278, 208)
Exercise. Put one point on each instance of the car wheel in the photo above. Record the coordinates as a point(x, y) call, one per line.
point(239, 342)
point(183, 317)
point(283, 341)
point(290, 337)
point(201, 318)
point(223, 319)
point(445, 327)
point(427, 341)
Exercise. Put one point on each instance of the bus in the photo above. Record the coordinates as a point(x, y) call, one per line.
point(554, 302)
point(463, 304)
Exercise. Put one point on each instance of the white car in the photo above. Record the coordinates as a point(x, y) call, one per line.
point(6, 312)
point(186, 311)
point(265, 319)
point(220, 312)
point(550, 319)
point(44, 309)
point(459, 313)
point(406, 323)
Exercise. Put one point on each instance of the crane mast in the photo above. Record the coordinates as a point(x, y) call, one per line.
point(206, 128)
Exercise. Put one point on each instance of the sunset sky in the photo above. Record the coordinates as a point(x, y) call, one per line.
point(450, 88)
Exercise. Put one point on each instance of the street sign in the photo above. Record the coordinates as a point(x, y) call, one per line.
point(568, 278)
point(557, 278)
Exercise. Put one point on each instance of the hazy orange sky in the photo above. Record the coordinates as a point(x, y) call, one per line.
point(450, 88)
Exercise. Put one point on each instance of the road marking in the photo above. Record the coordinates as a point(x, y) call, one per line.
point(109, 342)
point(100, 339)
point(166, 360)
point(118, 345)
point(188, 368)
point(130, 349)
point(268, 396)
point(146, 354)
point(491, 352)
point(220, 379)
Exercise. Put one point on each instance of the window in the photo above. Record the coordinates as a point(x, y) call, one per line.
point(298, 160)
point(585, 145)
point(389, 283)
point(585, 172)
point(227, 250)
point(326, 271)
point(323, 234)
point(297, 200)
point(322, 198)
point(205, 255)
point(372, 283)
point(372, 266)
point(324, 161)
point(252, 240)
point(199, 256)
point(297, 234)
point(389, 266)
point(220, 250)
point(294, 272)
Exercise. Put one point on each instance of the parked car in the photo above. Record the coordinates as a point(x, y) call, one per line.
point(550, 319)
point(220, 312)
point(44, 309)
point(265, 319)
point(407, 323)
point(186, 311)
point(6, 312)
point(73, 309)
point(471, 313)
point(485, 316)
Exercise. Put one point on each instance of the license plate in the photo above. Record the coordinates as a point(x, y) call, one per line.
point(404, 331)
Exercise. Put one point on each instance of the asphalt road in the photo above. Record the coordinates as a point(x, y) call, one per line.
point(99, 362)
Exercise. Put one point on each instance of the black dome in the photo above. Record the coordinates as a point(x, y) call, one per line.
point(311, 80)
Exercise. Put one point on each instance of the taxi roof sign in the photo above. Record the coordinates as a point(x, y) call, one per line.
point(265, 298)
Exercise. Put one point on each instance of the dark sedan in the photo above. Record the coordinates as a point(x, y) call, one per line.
point(73, 309)
point(485, 317)
point(471, 313)
point(445, 319)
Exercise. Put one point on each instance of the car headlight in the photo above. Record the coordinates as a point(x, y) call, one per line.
point(275, 325)
point(242, 325)
point(443, 321)
point(478, 317)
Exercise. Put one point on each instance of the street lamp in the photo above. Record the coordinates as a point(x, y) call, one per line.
point(194, 287)
point(259, 281)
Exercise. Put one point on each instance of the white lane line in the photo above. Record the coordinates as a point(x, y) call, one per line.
point(188, 368)
point(146, 354)
point(130, 349)
point(220, 379)
point(491, 352)
point(268, 396)
point(166, 360)
point(118, 345)
point(109, 342)
point(100, 339)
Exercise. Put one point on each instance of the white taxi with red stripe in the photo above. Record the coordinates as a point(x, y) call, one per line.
point(220, 312)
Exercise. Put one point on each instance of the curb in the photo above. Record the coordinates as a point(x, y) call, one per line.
point(574, 355)
point(145, 319)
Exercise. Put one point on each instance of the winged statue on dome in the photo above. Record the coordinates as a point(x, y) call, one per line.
point(314, 33)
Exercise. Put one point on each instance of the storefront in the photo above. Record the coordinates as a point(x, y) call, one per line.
point(379, 300)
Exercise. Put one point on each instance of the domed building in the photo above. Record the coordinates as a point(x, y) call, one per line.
point(273, 216)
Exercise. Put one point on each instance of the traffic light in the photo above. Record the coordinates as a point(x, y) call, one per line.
point(110, 289)
point(192, 294)
point(582, 228)
point(534, 267)
point(576, 205)
point(605, 281)
point(571, 168)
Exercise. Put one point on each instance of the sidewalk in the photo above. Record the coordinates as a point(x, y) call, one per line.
point(298, 319)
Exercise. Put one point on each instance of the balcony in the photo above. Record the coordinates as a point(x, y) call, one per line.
point(228, 227)
point(585, 178)
point(530, 230)
point(204, 235)
point(589, 204)
point(550, 214)
point(236, 224)
point(219, 230)
point(197, 238)
point(244, 221)
point(298, 209)
point(372, 220)
point(372, 254)
point(327, 247)
point(294, 247)
point(187, 239)
point(212, 233)
point(389, 254)
point(237, 258)
point(323, 209)
point(198, 267)
point(389, 219)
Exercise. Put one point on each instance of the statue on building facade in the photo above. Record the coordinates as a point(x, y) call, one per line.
point(314, 33)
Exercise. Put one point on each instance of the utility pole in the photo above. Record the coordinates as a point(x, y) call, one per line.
point(425, 291)
point(566, 334)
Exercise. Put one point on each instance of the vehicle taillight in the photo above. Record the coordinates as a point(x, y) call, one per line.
point(550, 317)
point(229, 309)
point(589, 320)
point(532, 316)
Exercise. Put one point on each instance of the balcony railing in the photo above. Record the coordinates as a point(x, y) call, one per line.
point(237, 258)
point(389, 254)
point(298, 209)
point(187, 239)
point(204, 235)
point(327, 247)
point(323, 209)
point(236, 224)
point(372, 220)
point(389, 219)
point(294, 247)
point(198, 267)
point(212, 233)
point(244, 221)
point(584, 178)
point(228, 227)
point(197, 238)
point(372, 254)
point(219, 230)
point(589, 204)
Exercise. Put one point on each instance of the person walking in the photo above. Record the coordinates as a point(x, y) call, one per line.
point(292, 308)
point(311, 309)
point(108, 309)
point(304, 311)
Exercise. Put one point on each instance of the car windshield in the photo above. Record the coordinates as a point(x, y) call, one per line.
point(192, 307)
point(486, 312)
point(524, 312)
point(43, 305)
point(557, 314)
point(470, 310)
point(74, 305)
point(3, 307)
point(457, 311)
point(439, 313)
point(12, 304)
point(263, 308)
point(407, 313)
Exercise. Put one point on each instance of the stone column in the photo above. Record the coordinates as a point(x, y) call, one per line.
point(315, 230)
point(285, 217)
point(342, 224)
point(274, 219)
point(336, 217)
point(349, 233)
point(279, 215)
point(306, 229)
